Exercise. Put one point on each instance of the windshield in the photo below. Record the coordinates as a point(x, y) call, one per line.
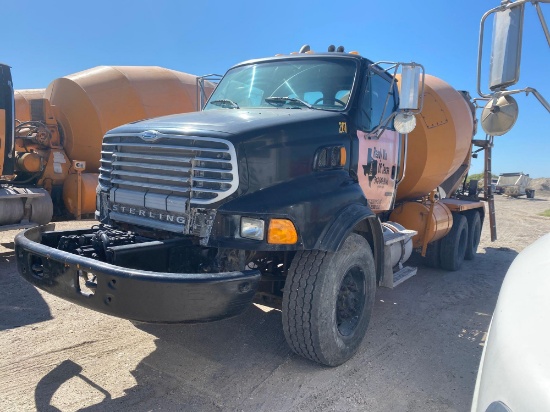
point(290, 84)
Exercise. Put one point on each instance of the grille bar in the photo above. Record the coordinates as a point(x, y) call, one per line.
point(170, 147)
point(152, 176)
point(149, 166)
point(148, 185)
point(153, 157)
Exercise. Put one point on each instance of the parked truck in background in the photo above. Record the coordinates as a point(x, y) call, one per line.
point(514, 185)
point(302, 185)
point(51, 145)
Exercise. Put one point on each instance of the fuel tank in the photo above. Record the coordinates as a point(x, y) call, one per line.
point(413, 215)
point(440, 142)
point(89, 103)
point(25, 205)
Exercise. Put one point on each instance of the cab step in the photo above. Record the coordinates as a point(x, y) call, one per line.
point(391, 279)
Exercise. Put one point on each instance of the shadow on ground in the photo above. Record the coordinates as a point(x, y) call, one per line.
point(202, 367)
point(20, 302)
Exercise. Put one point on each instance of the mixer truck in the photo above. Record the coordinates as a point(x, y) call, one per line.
point(51, 144)
point(301, 185)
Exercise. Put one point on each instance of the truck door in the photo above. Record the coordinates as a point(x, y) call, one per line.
point(379, 143)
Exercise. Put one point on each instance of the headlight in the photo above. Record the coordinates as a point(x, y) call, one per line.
point(252, 228)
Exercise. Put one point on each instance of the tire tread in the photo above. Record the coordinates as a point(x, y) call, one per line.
point(305, 266)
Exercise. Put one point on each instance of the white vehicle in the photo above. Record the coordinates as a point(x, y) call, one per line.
point(514, 372)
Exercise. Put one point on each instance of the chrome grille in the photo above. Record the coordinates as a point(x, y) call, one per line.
point(172, 170)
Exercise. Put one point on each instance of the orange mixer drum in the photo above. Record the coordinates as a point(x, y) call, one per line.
point(439, 143)
point(91, 102)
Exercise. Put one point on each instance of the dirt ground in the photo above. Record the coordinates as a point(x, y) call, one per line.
point(421, 353)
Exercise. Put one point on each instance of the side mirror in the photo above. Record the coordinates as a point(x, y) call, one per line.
point(409, 93)
point(506, 47)
point(410, 80)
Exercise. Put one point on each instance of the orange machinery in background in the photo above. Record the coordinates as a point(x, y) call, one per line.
point(59, 130)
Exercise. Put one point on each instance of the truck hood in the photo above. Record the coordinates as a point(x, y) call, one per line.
point(227, 121)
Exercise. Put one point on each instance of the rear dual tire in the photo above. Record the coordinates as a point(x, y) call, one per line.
point(453, 246)
point(474, 234)
point(459, 244)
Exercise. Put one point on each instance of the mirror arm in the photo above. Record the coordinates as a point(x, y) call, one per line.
point(378, 130)
point(527, 90)
point(539, 97)
point(421, 104)
point(480, 48)
point(543, 24)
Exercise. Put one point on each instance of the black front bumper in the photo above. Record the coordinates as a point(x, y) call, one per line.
point(133, 294)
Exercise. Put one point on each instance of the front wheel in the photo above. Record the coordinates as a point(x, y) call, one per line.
point(328, 300)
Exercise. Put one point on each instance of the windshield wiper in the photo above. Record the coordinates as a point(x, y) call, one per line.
point(279, 101)
point(225, 103)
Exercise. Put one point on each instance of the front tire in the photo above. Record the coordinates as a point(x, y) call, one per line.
point(328, 300)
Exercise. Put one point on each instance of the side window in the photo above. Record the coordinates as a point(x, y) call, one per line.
point(343, 95)
point(376, 105)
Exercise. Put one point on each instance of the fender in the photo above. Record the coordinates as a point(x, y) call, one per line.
point(311, 202)
point(349, 218)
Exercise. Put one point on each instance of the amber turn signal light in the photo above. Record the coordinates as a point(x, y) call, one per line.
point(281, 232)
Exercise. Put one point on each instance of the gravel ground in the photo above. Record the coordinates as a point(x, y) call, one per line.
point(421, 353)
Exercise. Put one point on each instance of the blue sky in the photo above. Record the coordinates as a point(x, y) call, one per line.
point(49, 40)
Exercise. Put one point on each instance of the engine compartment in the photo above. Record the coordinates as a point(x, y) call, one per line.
point(131, 250)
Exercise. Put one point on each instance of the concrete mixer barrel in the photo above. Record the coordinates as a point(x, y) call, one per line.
point(441, 141)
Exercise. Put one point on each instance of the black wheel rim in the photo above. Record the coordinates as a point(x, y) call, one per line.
point(350, 301)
